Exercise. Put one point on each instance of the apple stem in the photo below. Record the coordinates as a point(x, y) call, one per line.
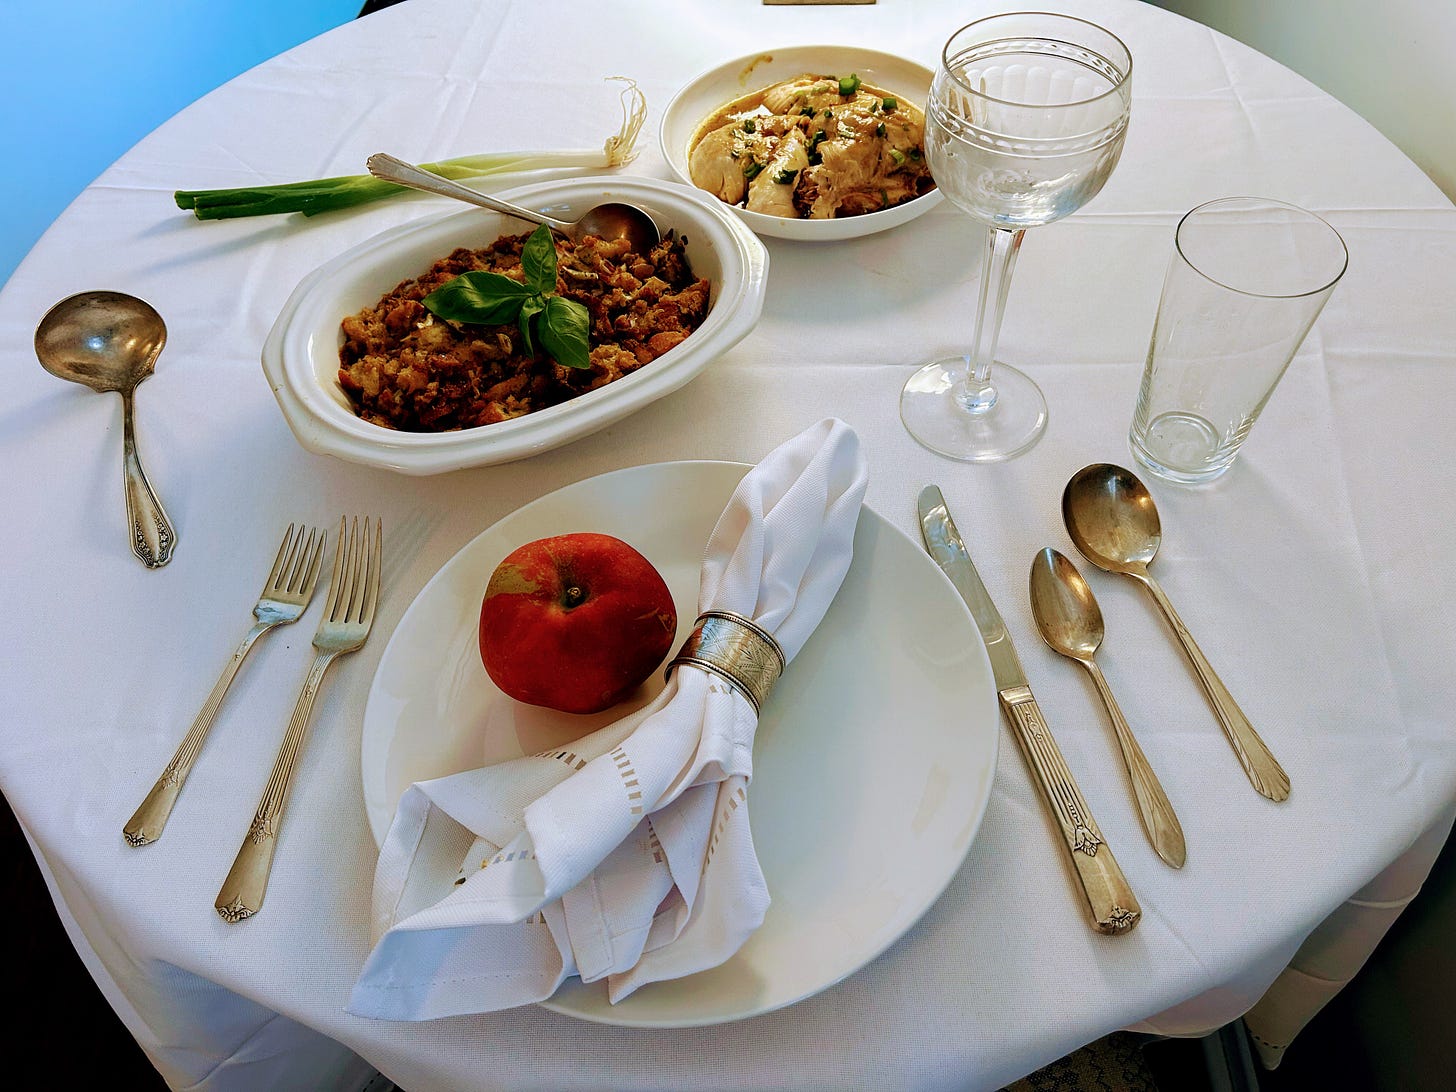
point(574, 596)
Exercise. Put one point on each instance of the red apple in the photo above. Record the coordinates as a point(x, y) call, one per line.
point(575, 622)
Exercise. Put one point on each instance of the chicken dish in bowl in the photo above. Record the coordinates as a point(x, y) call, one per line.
point(744, 132)
point(813, 147)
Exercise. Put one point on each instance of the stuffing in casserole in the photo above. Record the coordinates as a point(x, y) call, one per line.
point(406, 368)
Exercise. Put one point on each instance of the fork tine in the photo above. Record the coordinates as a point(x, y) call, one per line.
point(371, 590)
point(359, 559)
point(297, 560)
point(340, 549)
point(311, 574)
point(280, 564)
point(349, 579)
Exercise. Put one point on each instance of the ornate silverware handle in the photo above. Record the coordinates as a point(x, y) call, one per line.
point(1114, 907)
point(1160, 821)
point(145, 826)
point(384, 166)
point(242, 892)
point(1264, 771)
point(152, 535)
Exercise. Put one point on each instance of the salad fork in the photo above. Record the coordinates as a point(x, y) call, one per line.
point(348, 616)
point(286, 594)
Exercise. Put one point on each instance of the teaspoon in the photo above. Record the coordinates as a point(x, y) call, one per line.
point(1071, 623)
point(612, 220)
point(1112, 519)
point(109, 341)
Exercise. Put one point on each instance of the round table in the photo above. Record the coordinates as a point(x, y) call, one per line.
point(1315, 574)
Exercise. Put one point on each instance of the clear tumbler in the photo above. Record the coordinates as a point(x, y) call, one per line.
point(1247, 280)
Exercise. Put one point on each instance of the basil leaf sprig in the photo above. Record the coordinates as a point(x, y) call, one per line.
point(561, 325)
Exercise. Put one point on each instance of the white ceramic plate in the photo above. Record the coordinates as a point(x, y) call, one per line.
point(711, 90)
point(301, 354)
point(872, 764)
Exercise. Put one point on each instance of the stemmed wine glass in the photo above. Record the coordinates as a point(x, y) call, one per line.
point(1025, 122)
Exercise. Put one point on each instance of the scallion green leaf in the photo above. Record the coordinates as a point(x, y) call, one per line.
point(346, 191)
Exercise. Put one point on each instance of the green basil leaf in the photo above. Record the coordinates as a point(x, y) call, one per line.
point(482, 297)
point(565, 327)
point(532, 307)
point(538, 259)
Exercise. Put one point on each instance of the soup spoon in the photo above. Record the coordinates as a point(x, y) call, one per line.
point(109, 341)
point(610, 221)
point(1071, 623)
point(1112, 519)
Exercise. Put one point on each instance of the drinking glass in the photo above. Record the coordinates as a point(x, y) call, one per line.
point(1248, 278)
point(1025, 122)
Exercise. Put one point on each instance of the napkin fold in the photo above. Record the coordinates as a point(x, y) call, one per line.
point(627, 855)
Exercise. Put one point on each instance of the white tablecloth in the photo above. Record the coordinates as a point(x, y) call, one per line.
point(1316, 574)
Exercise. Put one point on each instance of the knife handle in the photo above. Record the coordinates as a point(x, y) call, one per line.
point(1114, 907)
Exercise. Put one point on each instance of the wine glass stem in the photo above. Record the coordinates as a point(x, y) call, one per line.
point(976, 391)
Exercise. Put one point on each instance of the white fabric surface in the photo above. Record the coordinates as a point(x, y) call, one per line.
point(1316, 575)
point(629, 856)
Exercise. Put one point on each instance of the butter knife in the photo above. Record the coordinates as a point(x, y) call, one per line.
point(1113, 906)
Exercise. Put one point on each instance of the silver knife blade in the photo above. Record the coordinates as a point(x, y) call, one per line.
point(945, 545)
point(1110, 900)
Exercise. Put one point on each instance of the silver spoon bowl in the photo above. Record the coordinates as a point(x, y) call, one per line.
point(610, 221)
point(1070, 622)
point(1112, 519)
point(110, 341)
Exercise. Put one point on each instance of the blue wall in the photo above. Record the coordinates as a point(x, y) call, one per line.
point(84, 80)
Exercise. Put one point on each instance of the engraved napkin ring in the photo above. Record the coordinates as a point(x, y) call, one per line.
point(736, 650)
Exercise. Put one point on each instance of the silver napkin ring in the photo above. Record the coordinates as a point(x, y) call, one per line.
point(735, 649)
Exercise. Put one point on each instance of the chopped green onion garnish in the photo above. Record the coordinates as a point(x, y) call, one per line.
point(848, 85)
point(880, 129)
point(748, 125)
point(785, 176)
point(898, 156)
point(752, 170)
point(890, 102)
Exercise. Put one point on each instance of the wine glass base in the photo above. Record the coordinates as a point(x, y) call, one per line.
point(937, 419)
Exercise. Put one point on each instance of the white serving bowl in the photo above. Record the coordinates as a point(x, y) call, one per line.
point(301, 354)
point(733, 79)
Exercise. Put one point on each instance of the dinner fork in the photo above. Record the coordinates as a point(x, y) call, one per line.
point(286, 595)
point(348, 616)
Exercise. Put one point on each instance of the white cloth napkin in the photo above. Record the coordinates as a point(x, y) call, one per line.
point(628, 854)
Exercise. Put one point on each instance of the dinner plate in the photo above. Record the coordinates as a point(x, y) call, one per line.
point(873, 760)
point(709, 91)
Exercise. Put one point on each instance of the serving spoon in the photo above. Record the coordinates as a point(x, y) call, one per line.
point(109, 341)
point(1071, 623)
point(1112, 519)
point(610, 221)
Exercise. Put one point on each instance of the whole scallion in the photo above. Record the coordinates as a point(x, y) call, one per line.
point(330, 194)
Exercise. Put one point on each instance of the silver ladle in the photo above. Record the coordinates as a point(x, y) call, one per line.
point(1070, 622)
point(610, 221)
point(109, 341)
point(1112, 519)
